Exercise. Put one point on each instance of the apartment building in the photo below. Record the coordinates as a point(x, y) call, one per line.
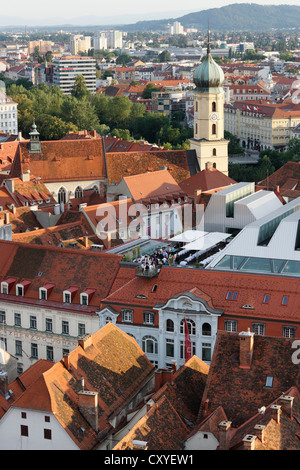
point(44, 46)
point(8, 114)
point(262, 124)
point(80, 43)
point(67, 68)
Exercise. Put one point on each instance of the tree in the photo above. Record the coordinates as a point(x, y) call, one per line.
point(53, 128)
point(164, 56)
point(79, 88)
point(147, 93)
point(123, 59)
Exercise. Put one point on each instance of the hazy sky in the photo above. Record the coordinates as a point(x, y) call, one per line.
point(77, 8)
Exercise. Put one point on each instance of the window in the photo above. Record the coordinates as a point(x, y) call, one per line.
point(33, 323)
point(284, 300)
point(18, 347)
point(258, 328)
point(214, 152)
point(43, 294)
point(213, 129)
point(34, 350)
point(19, 291)
point(49, 353)
point(47, 434)
point(17, 319)
point(65, 327)
point(148, 318)
point(231, 295)
point(23, 415)
point(231, 325)
point(84, 299)
point(266, 299)
point(213, 107)
point(206, 329)
point(24, 430)
point(182, 349)
point(4, 288)
point(169, 347)
point(127, 315)
point(67, 297)
point(47, 419)
point(61, 196)
point(289, 332)
point(154, 287)
point(81, 329)
point(78, 192)
point(2, 317)
point(191, 326)
point(149, 345)
point(269, 381)
point(170, 325)
point(49, 325)
point(206, 351)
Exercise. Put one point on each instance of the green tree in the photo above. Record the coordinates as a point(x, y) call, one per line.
point(164, 56)
point(53, 128)
point(79, 89)
point(147, 93)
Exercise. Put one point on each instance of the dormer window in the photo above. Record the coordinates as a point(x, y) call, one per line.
point(43, 294)
point(45, 291)
point(21, 288)
point(4, 288)
point(84, 299)
point(67, 297)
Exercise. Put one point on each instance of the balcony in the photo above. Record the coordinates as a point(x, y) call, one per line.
point(148, 273)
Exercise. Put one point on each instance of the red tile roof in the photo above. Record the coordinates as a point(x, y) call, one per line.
point(205, 180)
point(62, 160)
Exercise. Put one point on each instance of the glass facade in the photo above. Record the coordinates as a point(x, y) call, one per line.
point(259, 265)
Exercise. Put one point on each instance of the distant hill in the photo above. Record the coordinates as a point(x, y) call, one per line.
point(235, 17)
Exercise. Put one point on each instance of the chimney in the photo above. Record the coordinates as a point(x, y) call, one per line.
point(139, 445)
point(19, 136)
point(25, 176)
point(85, 341)
point(208, 166)
point(249, 442)
point(7, 218)
point(275, 412)
point(174, 366)
point(224, 427)
point(286, 403)
point(162, 376)
point(259, 431)
point(88, 406)
point(66, 361)
point(246, 348)
point(4, 384)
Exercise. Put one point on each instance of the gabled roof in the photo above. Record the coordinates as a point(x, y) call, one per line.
point(62, 160)
point(122, 164)
point(205, 180)
point(111, 364)
point(241, 392)
point(152, 184)
point(64, 267)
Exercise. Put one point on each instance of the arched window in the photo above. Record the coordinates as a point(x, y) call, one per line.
point(62, 196)
point(78, 192)
point(214, 152)
point(214, 129)
point(196, 128)
point(169, 325)
point(206, 329)
point(191, 326)
point(149, 345)
point(213, 107)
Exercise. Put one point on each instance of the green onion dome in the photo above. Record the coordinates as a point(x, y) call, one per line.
point(208, 76)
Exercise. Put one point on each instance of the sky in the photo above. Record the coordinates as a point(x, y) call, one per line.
point(33, 10)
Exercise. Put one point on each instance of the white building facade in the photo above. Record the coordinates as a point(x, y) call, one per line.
point(8, 114)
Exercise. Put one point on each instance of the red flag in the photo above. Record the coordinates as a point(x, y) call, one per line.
point(188, 345)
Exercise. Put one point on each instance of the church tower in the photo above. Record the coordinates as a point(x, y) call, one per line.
point(208, 140)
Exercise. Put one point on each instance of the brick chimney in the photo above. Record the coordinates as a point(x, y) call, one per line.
point(276, 412)
point(224, 427)
point(286, 403)
point(163, 376)
point(246, 348)
point(66, 361)
point(249, 442)
point(259, 431)
point(88, 406)
point(85, 341)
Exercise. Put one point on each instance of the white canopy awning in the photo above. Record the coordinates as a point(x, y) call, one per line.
point(188, 236)
point(207, 241)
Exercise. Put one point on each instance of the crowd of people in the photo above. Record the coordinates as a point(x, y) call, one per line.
point(160, 257)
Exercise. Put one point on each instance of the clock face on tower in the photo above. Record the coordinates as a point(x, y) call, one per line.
point(213, 117)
